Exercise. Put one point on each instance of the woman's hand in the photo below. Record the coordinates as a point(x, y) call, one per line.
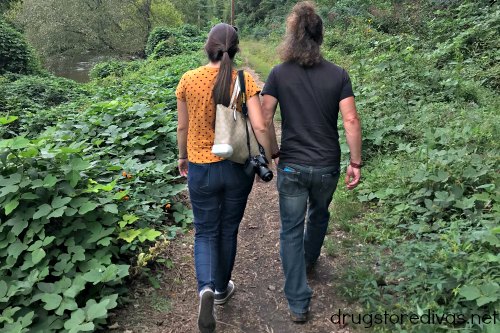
point(276, 162)
point(182, 164)
point(352, 177)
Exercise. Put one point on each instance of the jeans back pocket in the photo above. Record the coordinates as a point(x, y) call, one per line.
point(289, 181)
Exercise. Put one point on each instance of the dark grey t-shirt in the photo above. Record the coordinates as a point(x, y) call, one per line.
point(309, 101)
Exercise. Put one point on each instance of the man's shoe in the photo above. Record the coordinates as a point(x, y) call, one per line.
point(206, 317)
point(310, 270)
point(298, 317)
point(222, 298)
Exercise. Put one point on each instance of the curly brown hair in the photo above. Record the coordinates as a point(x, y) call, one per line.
point(304, 35)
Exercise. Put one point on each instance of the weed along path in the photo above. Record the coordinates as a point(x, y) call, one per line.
point(258, 304)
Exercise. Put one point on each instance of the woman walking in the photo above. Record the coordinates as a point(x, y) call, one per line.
point(218, 188)
point(311, 91)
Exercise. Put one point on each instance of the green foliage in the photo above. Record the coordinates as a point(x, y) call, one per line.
point(190, 31)
point(72, 27)
point(157, 35)
point(423, 90)
point(166, 42)
point(16, 56)
point(425, 76)
point(167, 48)
point(113, 68)
point(33, 99)
point(60, 256)
point(163, 13)
point(84, 194)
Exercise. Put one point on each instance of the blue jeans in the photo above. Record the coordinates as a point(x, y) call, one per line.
point(303, 189)
point(218, 193)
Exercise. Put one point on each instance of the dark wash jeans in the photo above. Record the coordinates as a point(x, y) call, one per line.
point(303, 189)
point(218, 194)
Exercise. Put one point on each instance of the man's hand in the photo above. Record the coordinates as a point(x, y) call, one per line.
point(183, 167)
point(352, 177)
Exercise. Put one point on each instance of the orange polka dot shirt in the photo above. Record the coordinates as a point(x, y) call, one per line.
point(195, 88)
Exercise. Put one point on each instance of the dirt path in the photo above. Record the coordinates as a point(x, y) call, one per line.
point(258, 306)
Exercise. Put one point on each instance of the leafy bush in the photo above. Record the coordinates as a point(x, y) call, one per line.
point(33, 98)
point(59, 239)
point(168, 42)
point(167, 48)
point(430, 187)
point(156, 36)
point(113, 68)
point(190, 31)
point(82, 199)
point(16, 56)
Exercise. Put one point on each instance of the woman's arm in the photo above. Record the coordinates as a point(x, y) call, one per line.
point(259, 124)
point(182, 134)
point(352, 127)
point(269, 104)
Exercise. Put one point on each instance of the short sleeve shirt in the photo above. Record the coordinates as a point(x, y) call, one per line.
point(195, 88)
point(309, 100)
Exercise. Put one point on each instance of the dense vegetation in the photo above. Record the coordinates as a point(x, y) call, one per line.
point(89, 192)
point(426, 79)
point(15, 54)
point(112, 27)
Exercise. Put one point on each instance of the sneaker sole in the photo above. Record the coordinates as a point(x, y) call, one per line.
point(206, 319)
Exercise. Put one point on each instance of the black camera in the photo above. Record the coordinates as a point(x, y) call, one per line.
point(259, 165)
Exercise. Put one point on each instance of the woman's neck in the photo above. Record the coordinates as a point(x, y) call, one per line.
point(214, 64)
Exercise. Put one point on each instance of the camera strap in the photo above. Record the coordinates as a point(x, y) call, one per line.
point(244, 111)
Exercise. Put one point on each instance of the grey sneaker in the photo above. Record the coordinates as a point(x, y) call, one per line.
point(206, 317)
point(222, 298)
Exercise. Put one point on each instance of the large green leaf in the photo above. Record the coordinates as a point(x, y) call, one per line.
point(77, 286)
point(470, 292)
point(37, 255)
point(7, 120)
point(149, 234)
point(129, 235)
point(19, 143)
point(87, 207)
point(57, 213)
point(3, 289)
point(111, 208)
point(15, 249)
point(76, 323)
point(8, 189)
point(52, 301)
point(42, 211)
point(49, 181)
point(79, 164)
point(59, 202)
point(96, 310)
point(19, 227)
point(9, 207)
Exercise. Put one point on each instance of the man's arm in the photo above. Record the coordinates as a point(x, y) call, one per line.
point(352, 127)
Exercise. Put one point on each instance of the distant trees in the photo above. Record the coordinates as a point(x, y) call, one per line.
point(203, 12)
point(74, 26)
point(67, 27)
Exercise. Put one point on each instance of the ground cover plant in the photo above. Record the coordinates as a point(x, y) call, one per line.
point(425, 75)
point(89, 191)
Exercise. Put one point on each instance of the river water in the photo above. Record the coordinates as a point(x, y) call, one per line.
point(76, 68)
